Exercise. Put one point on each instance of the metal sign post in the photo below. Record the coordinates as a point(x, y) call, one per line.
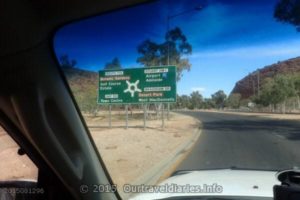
point(126, 110)
point(162, 116)
point(157, 110)
point(145, 115)
point(168, 112)
point(137, 86)
point(109, 122)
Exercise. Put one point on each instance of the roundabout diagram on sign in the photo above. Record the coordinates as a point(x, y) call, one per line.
point(132, 88)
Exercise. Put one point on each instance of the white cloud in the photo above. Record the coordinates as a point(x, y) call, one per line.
point(199, 89)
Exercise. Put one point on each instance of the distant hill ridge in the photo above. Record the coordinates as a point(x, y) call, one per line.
point(75, 73)
point(84, 86)
point(249, 84)
point(85, 82)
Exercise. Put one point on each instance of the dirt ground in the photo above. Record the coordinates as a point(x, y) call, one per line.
point(12, 165)
point(129, 153)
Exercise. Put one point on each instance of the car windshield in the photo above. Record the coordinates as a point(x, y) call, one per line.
point(217, 198)
point(205, 90)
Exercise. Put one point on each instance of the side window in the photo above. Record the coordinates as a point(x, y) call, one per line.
point(12, 165)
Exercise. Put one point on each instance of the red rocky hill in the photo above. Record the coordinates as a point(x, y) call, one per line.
point(249, 84)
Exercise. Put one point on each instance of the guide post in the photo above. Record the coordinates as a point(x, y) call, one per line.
point(145, 115)
point(126, 110)
point(168, 111)
point(162, 116)
point(109, 122)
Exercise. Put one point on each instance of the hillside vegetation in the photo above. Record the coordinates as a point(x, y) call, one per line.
point(274, 88)
point(84, 85)
point(249, 85)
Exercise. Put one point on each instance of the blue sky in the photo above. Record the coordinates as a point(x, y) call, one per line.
point(230, 39)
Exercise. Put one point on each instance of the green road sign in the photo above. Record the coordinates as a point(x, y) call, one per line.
point(138, 85)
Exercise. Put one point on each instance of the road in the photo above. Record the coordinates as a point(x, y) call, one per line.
point(231, 140)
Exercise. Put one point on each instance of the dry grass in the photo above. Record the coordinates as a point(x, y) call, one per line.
point(129, 153)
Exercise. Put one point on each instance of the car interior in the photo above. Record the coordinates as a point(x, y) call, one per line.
point(38, 110)
point(36, 107)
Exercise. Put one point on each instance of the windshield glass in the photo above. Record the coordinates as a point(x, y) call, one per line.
point(190, 85)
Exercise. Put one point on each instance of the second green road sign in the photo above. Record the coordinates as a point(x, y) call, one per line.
point(137, 85)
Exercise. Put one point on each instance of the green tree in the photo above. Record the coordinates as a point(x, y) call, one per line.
point(234, 100)
point(178, 103)
point(114, 64)
point(183, 101)
point(208, 103)
point(66, 62)
point(151, 55)
point(219, 98)
point(277, 91)
point(174, 50)
point(283, 89)
point(196, 100)
point(288, 11)
point(265, 96)
point(296, 80)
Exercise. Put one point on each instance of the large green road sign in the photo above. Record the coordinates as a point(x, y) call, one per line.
point(139, 85)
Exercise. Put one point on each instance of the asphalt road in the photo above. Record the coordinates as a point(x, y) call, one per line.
point(229, 140)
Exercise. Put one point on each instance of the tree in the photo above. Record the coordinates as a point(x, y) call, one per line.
point(277, 90)
point(114, 64)
point(265, 95)
point(296, 80)
point(196, 100)
point(66, 62)
point(219, 98)
point(283, 89)
point(150, 53)
point(183, 101)
point(173, 52)
point(234, 100)
point(288, 11)
point(208, 103)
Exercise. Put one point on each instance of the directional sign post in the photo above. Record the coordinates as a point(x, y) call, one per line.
point(137, 86)
point(145, 115)
point(109, 123)
point(162, 116)
point(126, 110)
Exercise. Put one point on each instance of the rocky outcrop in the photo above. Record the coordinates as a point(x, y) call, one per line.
point(249, 85)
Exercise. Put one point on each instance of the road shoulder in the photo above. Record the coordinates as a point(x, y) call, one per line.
point(137, 156)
